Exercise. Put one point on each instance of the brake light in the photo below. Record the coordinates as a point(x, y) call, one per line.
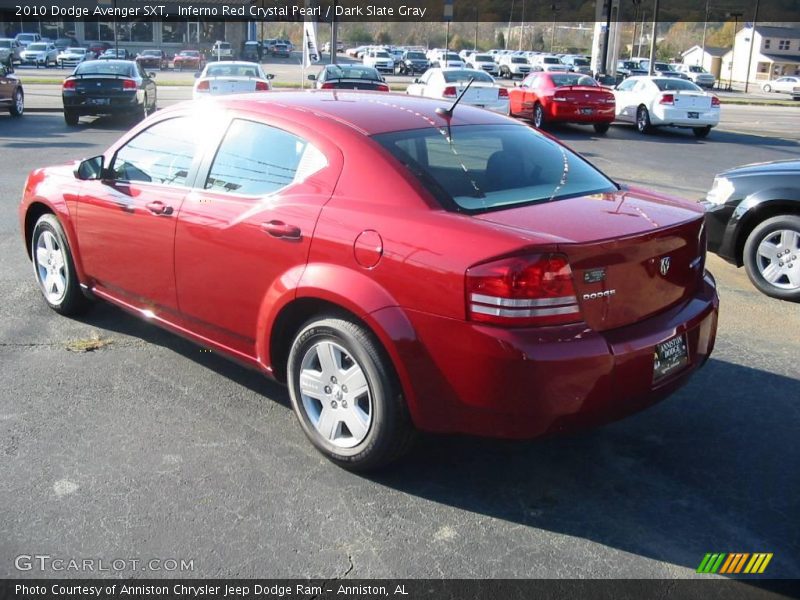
point(450, 92)
point(714, 101)
point(328, 86)
point(610, 100)
point(69, 84)
point(522, 291)
point(203, 86)
point(383, 87)
point(667, 99)
point(262, 86)
point(128, 84)
point(558, 98)
point(503, 93)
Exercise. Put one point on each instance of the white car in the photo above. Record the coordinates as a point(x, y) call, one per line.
point(514, 65)
point(221, 51)
point(782, 84)
point(380, 60)
point(548, 63)
point(696, 74)
point(482, 62)
point(666, 101)
point(447, 84)
point(40, 54)
point(231, 77)
point(73, 56)
point(445, 59)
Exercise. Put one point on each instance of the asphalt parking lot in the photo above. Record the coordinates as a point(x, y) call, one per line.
point(149, 447)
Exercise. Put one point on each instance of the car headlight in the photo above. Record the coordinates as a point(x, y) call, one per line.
point(721, 190)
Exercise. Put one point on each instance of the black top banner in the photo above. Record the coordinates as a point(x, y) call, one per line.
point(431, 11)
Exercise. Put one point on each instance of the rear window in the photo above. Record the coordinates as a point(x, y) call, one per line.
point(105, 67)
point(581, 62)
point(35, 47)
point(697, 70)
point(518, 60)
point(572, 79)
point(457, 75)
point(676, 85)
point(478, 168)
point(551, 60)
point(382, 55)
point(482, 58)
point(5, 43)
point(354, 72)
point(452, 56)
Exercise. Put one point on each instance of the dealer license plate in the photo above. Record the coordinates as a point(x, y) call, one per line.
point(98, 101)
point(587, 111)
point(669, 357)
point(694, 115)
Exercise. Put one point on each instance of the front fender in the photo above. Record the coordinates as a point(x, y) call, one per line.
point(755, 208)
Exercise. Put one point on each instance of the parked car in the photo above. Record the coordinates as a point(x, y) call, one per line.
point(447, 84)
point(280, 50)
point(287, 43)
point(326, 47)
point(787, 85)
point(380, 60)
point(12, 96)
point(252, 51)
point(413, 62)
point(630, 68)
point(189, 59)
point(482, 62)
point(98, 48)
point(115, 54)
point(25, 39)
point(697, 74)
point(221, 51)
point(512, 65)
point(72, 56)
point(565, 98)
point(108, 87)
point(753, 220)
point(652, 102)
point(349, 77)
point(153, 59)
point(661, 69)
point(231, 77)
point(548, 63)
point(63, 43)
point(578, 64)
point(41, 54)
point(355, 52)
point(316, 218)
point(10, 52)
point(446, 59)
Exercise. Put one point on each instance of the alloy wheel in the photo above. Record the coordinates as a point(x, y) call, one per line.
point(777, 259)
point(51, 267)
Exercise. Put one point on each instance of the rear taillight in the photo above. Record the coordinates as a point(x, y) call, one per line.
point(203, 86)
point(383, 88)
point(128, 84)
point(667, 99)
point(522, 291)
point(609, 100)
point(69, 84)
point(450, 92)
point(714, 101)
point(328, 86)
point(262, 86)
point(558, 98)
point(503, 93)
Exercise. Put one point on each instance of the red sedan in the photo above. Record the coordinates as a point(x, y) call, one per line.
point(189, 59)
point(564, 98)
point(399, 268)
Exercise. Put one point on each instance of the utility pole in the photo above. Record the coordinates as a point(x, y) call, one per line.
point(735, 16)
point(508, 31)
point(606, 37)
point(750, 57)
point(705, 26)
point(334, 35)
point(554, 8)
point(636, 4)
point(650, 69)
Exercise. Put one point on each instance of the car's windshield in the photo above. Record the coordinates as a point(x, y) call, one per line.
point(697, 69)
point(457, 75)
point(381, 55)
point(151, 53)
point(676, 85)
point(415, 55)
point(572, 79)
point(189, 53)
point(37, 47)
point(452, 56)
point(518, 60)
point(106, 67)
point(482, 58)
point(76, 50)
point(26, 36)
point(5, 43)
point(581, 62)
point(223, 45)
point(551, 60)
point(477, 168)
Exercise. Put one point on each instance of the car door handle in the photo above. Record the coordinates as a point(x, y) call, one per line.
point(159, 208)
point(279, 229)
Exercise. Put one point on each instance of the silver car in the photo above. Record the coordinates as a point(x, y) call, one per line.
point(782, 84)
point(697, 74)
point(41, 54)
point(10, 51)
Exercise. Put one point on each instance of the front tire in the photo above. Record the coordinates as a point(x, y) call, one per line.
point(767, 88)
point(345, 395)
point(54, 267)
point(643, 120)
point(772, 257)
point(18, 105)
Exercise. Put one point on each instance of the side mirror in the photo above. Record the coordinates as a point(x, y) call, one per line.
point(416, 79)
point(196, 74)
point(270, 76)
point(312, 77)
point(151, 75)
point(90, 169)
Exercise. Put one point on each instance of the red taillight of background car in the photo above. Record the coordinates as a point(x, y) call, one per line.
point(203, 86)
point(714, 101)
point(129, 84)
point(450, 92)
point(667, 99)
point(262, 86)
point(327, 86)
point(383, 88)
point(610, 99)
point(522, 291)
point(69, 84)
point(503, 93)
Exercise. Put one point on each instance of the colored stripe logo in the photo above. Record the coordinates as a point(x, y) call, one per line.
point(736, 562)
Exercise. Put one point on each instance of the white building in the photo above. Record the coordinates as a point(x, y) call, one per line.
point(709, 58)
point(776, 52)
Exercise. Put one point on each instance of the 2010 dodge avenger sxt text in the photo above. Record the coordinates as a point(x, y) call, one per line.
point(399, 268)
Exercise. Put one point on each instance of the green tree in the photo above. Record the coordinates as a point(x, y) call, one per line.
point(500, 39)
point(722, 37)
point(383, 37)
point(457, 43)
point(359, 35)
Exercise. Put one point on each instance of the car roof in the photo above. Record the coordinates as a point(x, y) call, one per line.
point(366, 112)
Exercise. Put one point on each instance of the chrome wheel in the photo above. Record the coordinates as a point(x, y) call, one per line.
point(51, 267)
point(642, 120)
point(18, 107)
point(777, 259)
point(335, 394)
point(538, 116)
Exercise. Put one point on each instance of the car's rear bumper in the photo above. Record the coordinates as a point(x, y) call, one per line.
point(572, 113)
point(722, 230)
point(679, 117)
point(523, 383)
point(83, 105)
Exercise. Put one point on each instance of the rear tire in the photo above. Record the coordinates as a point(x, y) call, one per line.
point(643, 120)
point(539, 120)
point(71, 117)
point(769, 251)
point(601, 128)
point(767, 88)
point(701, 132)
point(18, 105)
point(358, 429)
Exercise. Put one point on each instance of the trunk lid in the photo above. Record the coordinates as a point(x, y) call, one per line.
point(478, 93)
point(585, 95)
point(691, 100)
point(98, 86)
point(632, 254)
point(231, 85)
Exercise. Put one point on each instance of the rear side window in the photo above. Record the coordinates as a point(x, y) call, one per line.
point(161, 154)
point(255, 159)
point(478, 168)
point(674, 85)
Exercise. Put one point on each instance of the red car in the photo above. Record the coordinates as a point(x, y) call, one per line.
point(564, 98)
point(189, 59)
point(153, 59)
point(399, 268)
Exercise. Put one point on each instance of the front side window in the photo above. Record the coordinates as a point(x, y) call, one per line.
point(161, 154)
point(255, 159)
point(478, 168)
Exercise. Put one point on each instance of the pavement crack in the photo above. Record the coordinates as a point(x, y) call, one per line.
point(351, 565)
